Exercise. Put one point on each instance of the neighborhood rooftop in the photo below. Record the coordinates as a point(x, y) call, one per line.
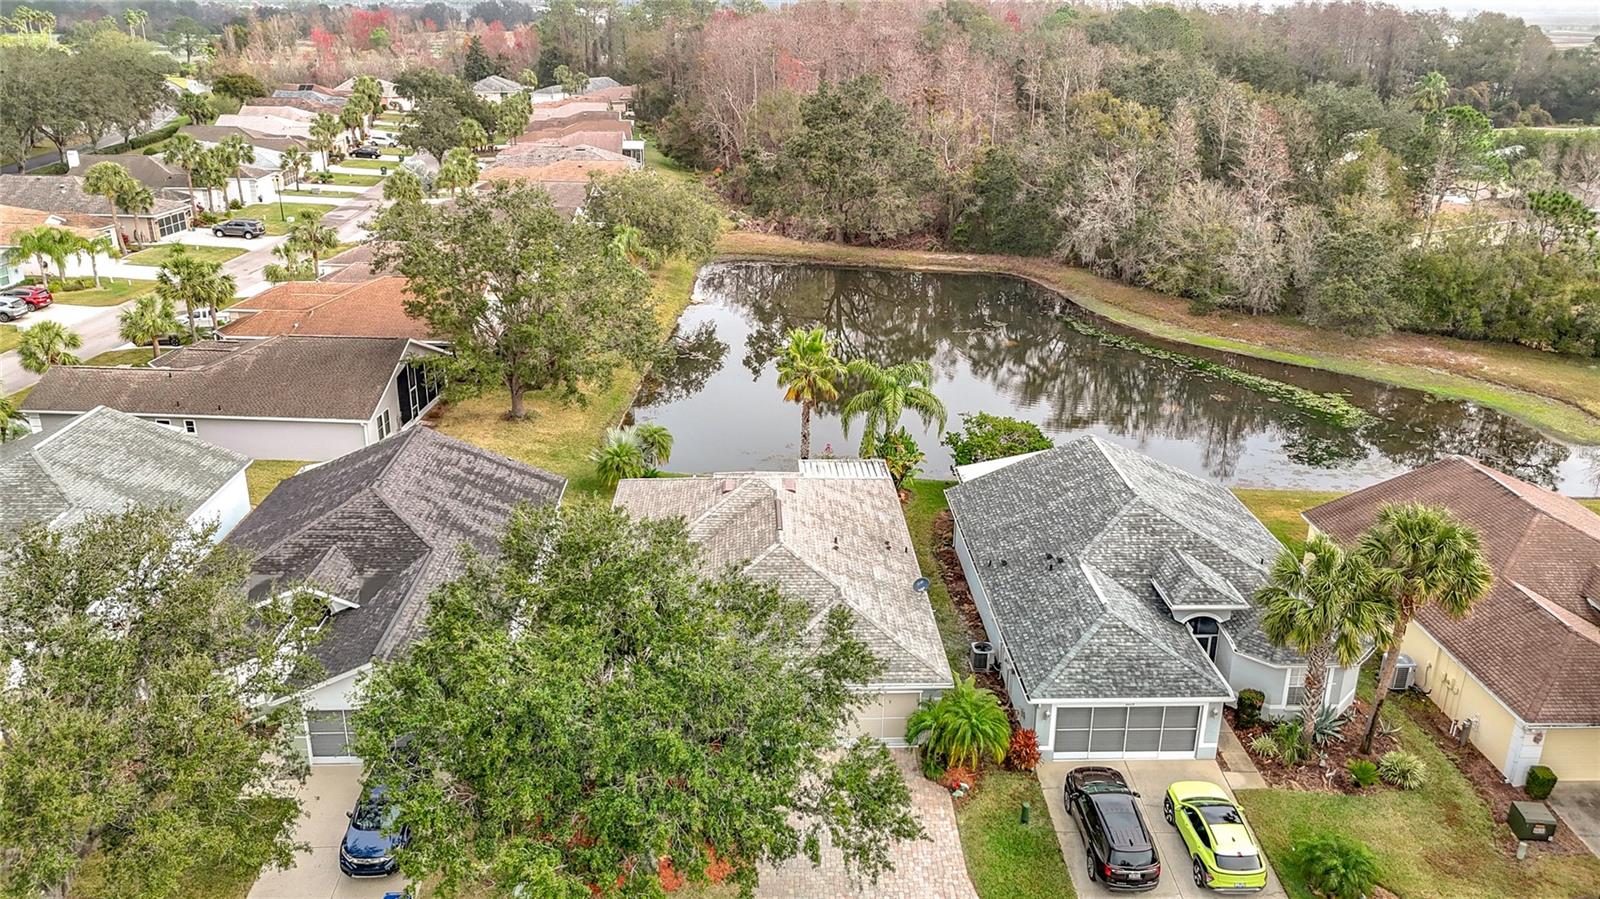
point(373, 308)
point(106, 461)
point(832, 534)
point(65, 193)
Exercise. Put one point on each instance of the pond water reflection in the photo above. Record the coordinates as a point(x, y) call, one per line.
point(999, 345)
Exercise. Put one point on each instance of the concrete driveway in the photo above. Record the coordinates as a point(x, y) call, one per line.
point(1578, 804)
point(1150, 780)
point(327, 794)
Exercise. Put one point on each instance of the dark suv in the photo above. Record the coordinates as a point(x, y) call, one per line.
point(367, 849)
point(367, 152)
point(1122, 854)
point(239, 228)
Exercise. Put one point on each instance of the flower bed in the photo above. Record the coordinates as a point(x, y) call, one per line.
point(1326, 768)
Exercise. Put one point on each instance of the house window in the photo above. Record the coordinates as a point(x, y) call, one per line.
point(1206, 632)
point(383, 424)
point(188, 426)
point(329, 731)
point(1296, 696)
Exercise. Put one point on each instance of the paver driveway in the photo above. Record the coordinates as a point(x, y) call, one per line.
point(923, 869)
point(328, 793)
point(1150, 780)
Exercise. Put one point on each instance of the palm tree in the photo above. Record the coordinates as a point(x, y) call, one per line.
point(619, 456)
point(194, 284)
point(38, 244)
point(351, 117)
point(1320, 603)
point(324, 131)
point(196, 108)
point(294, 162)
point(1430, 94)
point(963, 726)
point(809, 373)
point(135, 198)
point(655, 441)
point(45, 344)
point(92, 247)
point(887, 392)
point(149, 319)
point(471, 133)
point(1420, 557)
point(183, 151)
point(403, 187)
point(457, 170)
point(238, 153)
point(310, 236)
point(109, 180)
point(628, 242)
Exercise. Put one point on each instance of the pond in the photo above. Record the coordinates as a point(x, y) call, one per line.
point(1009, 347)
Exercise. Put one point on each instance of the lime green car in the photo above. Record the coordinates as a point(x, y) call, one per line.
point(1223, 852)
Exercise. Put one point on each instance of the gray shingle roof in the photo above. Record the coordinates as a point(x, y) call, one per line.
point(382, 527)
point(1066, 543)
point(496, 84)
point(331, 378)
point(829, 534)
point(65, 193)
point(104, 461)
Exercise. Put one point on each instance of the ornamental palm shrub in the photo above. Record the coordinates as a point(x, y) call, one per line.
point(45, 344)
point(961, 728)
point(619, 457)
point(1402, 769)
point(1363, 771)
point(1337, 867)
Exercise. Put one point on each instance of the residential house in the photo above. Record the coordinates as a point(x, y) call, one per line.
point(313, 106)
point(391, 97)
point(1520, 673)
point(831, 534)
point(371, 308)
point(268, 150)
point(315, 93)
point(495, 88)
point(610, 134)
point(1117, 593)
point(564, 172)
point(292, 113)
point(375, 532)
point(288, 397)
point(279, 126)
point(64, 195)
point(259, 184)
point(104, 461)
point(600, 89)
point(14, 219)
point(353, 265)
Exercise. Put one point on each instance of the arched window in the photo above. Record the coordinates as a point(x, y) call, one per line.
point(1206, 633)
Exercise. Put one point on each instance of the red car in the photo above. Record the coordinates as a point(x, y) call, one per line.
point(35, 297)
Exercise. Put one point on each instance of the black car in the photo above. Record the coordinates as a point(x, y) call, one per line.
point(239, 228)
point(1122, 854)
point(367, 152)
point(367, 849)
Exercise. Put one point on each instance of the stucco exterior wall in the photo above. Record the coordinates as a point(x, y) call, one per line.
point(226, 507)
point(1460, 696)
point(313, 441)
point(1573, 753)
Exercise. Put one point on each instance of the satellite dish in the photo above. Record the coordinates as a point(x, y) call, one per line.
point(920, 585)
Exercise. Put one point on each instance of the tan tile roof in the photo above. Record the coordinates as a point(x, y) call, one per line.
point(15, 218)
point(1535, 639)
point(371, 308)
point(565, 170)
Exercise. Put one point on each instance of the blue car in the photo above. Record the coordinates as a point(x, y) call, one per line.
point(370, 840)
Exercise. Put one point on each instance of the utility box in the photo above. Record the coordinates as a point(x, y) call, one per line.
point(1532, 821)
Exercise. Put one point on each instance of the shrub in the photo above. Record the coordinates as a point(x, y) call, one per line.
point(954, 777)
point(1328, 726)
point(1337, 867)
point(961, 727)
point(54, 168)
point(1363, 772)
point(1402, 769)
point(1290, 750)
point(1250, 703)
point(235, 204)
point(1541, 780)
point(900, 453)
point(1266, 746)
point(983, 437)
point(1024, 752)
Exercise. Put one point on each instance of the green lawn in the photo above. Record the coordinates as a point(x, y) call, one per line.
point(158, 255)
point(349, 179)
point(1280, 510)
point(927, 501)
point(9, 338)
point(308, 192)
point(558, 436)
point(1440, 841)
point(109, 293)
point(374, 164)
point(1006, 858)
point(264, 474)
point(135, 356)
point(269, 214)
point(659, 161)
point(224, 880)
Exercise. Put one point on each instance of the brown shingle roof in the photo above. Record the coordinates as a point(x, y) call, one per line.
point(330, 378)
point(373, 308)
point(1534, 641)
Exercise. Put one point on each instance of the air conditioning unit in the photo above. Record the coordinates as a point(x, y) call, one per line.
point(1405, 674)
point(983, 656)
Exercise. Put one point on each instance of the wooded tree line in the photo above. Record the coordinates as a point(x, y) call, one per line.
point(1337, 162)
point(109, 83)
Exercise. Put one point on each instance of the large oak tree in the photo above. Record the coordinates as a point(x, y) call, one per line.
point(527, 299)
point(588, 711)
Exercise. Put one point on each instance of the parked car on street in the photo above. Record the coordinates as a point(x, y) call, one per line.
point(367, 152)
point(1122, 854)
point(1223, 852)
point(249, 228)
point(13, 308)
point(371, 838)
point(36, 297)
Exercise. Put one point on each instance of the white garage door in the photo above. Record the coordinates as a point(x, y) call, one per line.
point(1120, 730)
point(884, 716)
